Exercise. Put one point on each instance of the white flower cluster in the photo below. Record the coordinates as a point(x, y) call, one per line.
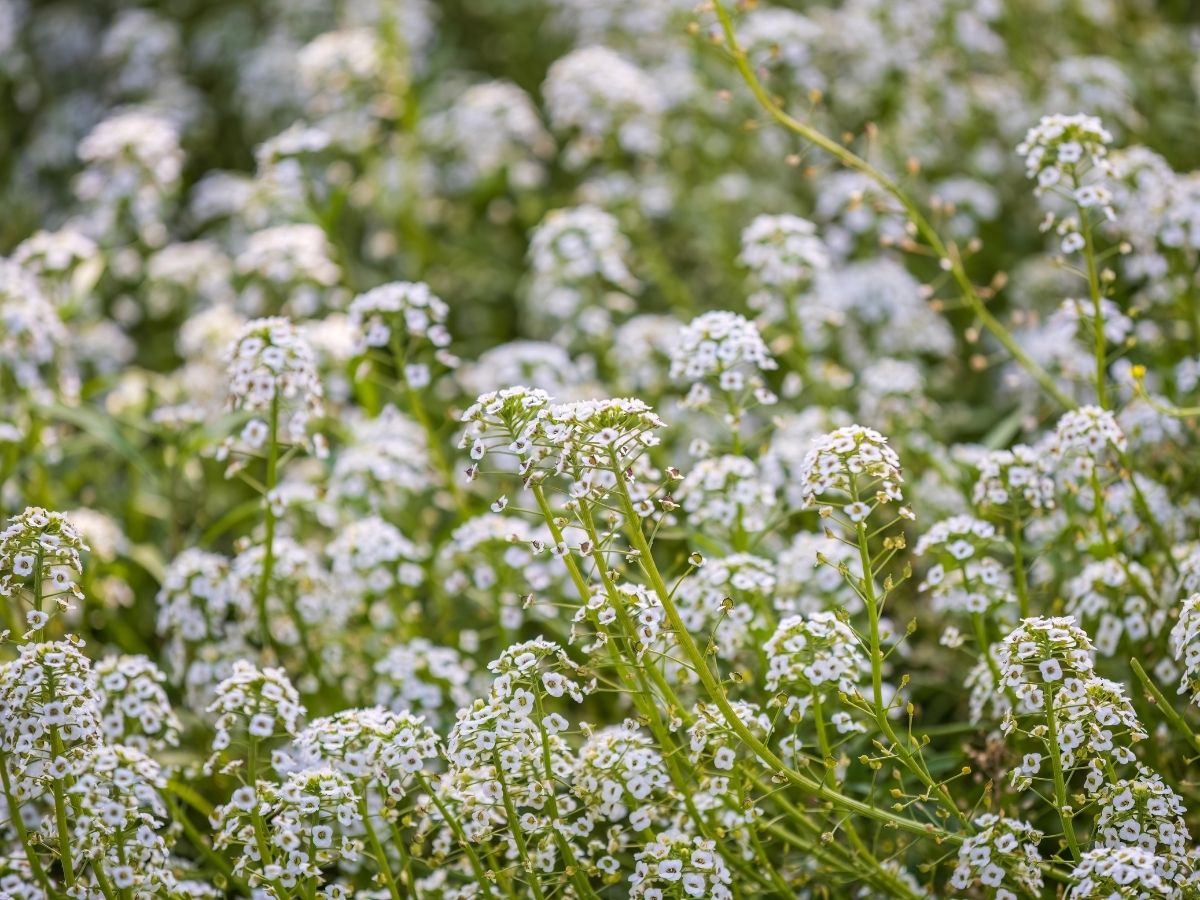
point(1185, 643)
point(1086, 438)
point(619, 775)
point(254, 705)
point(782, 254)
point(578, 257)
point(1143, 812)
point(1111, 592)
point(288, 266)
point(728, 492)
point(291, 833)
point(856, 462)
point(725, 349)
point(272, 367)
point(1017, 479)
point(1126, 871)
point(374, 747)
point(809, 655)
point(135, 710)
point(49, 711)
point(594, 442)
point(1000, 858)
point(603, 103)
point(33, 340)
point(492, 131)
point(674, 865)
point(40, 563)
point(403, 311)
point(1060, 147)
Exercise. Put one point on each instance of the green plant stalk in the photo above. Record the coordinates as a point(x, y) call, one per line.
point(385, 869)
point(1164, 706)
point(14, 814)
point(1060, 782)
point(260, 827)
point(514, 825)
point(1093, 279)
point(268, 561)
point(576, 874)
point(472, 856)
point(1017, 537)
point(417, 407)
point(405, 859)
point(198, 840)
point(642, 698)
point(881, 713)
point(851, 160)
point(717, 694)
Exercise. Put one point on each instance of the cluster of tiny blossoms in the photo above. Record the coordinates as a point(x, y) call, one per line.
point(678, 632)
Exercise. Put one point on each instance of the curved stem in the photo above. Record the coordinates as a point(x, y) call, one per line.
point(851, 160)
point(718, 696)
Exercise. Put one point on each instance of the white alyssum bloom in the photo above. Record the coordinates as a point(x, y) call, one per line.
point(727, 492)
point(620, 775)
point(385, 461)
point(1039, 639)
point(1060, 148)
point(579, 261)
point(287, 265)
point(1001, 857)
point(811, 657)
point(134, 705)
point(1110, 592)
point(372, 557)
point(1014, 479)
point(1145, 812)
point(782, 253)
point(40, 555)
point(1085, 438)
point(254, 705)
point(713, 743)
point(203, 616)
point(34, 343)
point(133, 167)
point(491, 130)
point(676, 865)
point(1125, 871)
point(272, 370)
point(853, 461)
point(403, 311)
point(312, 822)
point(1185, 645)
point(598, 99)
point(118, 817)
point(375, 747)
point(49, 709)
point(424, 679)
point(722, 349)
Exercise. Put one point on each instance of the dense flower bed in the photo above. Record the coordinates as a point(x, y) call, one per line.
point(599, 448)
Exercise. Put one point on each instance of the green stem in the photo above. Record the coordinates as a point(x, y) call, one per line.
point(1164, 706)
point(1101, 350)
point(924, 228)
point(268, 560)
point(385, 869)
point(1022, 584)
point(514, 825)
point(452, 823)
point(14, 815)
point(717, 694)
point(1060, 782)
